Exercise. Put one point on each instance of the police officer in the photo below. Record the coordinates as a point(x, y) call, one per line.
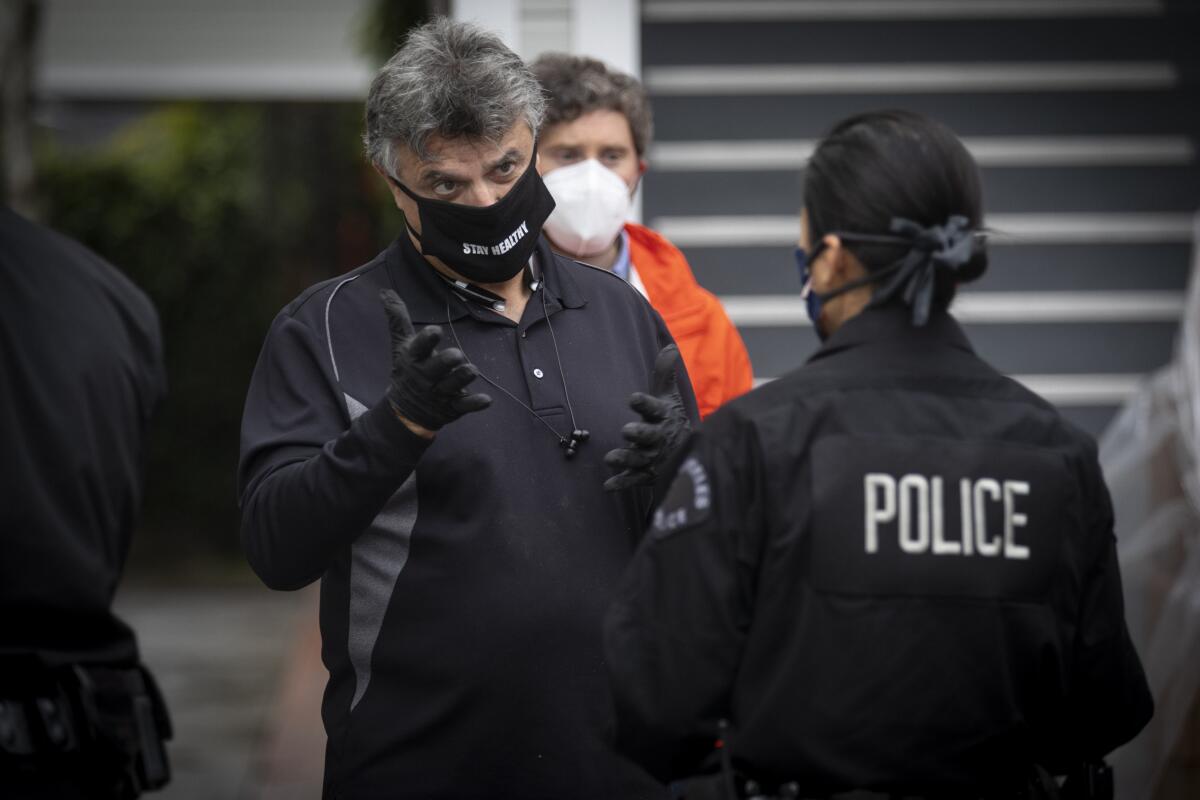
point(892, 570)
point(80, 375)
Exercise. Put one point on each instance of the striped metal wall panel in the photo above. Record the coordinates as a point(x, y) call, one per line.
point(1083, 117)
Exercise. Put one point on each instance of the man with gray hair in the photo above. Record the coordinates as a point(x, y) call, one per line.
point(465, 544)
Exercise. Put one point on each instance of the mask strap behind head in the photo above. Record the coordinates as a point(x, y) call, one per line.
point(949, 246)
point(872, 277)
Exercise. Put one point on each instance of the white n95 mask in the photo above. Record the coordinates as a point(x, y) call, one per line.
point(590, 205)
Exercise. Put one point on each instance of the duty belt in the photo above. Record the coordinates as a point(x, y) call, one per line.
point(1091, 781)
point(715, 787)
point(118, 711)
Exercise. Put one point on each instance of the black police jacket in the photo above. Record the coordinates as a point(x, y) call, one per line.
point(463, 579)
point(893, 568)
point(81, 373)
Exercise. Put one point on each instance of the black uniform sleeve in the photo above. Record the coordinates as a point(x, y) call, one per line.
point(308, 483)
point(1110, 700)
point(687, 392)
point(682, 378)
point(81, 376)
point(673, 638)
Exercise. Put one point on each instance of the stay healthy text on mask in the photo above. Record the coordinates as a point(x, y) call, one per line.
point(507, 244)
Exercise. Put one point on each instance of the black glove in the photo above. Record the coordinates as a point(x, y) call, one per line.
point(653, 441)
point(428, 386)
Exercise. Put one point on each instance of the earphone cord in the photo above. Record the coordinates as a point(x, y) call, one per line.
point(558, 359)
point(517, 400)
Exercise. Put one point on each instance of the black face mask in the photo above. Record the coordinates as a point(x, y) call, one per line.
point(489, 244)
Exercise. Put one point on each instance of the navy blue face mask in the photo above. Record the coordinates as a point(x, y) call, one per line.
point(812, 300)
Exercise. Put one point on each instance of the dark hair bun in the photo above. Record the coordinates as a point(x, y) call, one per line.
point(873, 168)
point(973, 270)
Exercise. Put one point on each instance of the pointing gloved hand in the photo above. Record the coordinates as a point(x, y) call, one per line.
point(664, 427)
point(428, 386)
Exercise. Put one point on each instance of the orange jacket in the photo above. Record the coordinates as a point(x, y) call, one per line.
point(712, 350)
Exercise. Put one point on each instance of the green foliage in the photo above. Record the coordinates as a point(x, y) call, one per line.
point(386, 21)
point(222, 214)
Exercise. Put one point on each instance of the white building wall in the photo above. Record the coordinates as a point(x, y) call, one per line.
point(217, 49)
point(286, 49)
point(603, 29)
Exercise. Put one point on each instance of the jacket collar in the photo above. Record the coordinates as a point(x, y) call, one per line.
point(430, 296)
point(892, 324)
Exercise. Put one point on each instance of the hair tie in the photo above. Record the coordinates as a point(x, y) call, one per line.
point(946, 246)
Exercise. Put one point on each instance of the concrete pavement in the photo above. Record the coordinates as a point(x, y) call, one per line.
point(240, 669)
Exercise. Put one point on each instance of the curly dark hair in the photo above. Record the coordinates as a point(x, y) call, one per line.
point(575, 85)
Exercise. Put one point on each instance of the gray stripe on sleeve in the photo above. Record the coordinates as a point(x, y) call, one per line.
point(353, 407)
point(377, 557)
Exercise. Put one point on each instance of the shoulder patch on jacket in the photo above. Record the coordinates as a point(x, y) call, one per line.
point(688, 501)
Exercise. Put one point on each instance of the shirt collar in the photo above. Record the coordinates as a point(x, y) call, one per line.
point(558, 276)
point(431, 296)
point(893, 323)
point(620, 267)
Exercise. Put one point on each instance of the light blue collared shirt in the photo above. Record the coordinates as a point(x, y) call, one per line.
point(620, 267)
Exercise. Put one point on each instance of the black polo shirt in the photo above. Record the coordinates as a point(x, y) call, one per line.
point(81, 373)
point(463, 580)
point(892, 569)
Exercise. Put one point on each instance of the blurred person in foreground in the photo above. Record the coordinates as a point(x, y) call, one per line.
point(592, 154)
point(892, 569)
point(81, 373)
point(465, 543)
